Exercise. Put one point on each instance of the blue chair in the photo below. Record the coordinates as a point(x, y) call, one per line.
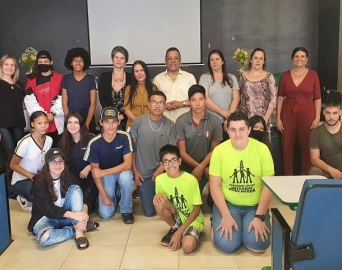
point(316, 239)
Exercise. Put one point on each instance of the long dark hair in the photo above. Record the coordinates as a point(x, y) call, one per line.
point(134, 84)
point(35, 70)
point(226, 79)
point(66, 140)
point(252, 54)
point(255, 119)
point(45, 177)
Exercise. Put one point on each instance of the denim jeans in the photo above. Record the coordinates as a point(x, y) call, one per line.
point(243, 215)
point(60, 229)
point(9, 139)
point(147, 191)
point(23, 188)
point(112, 183)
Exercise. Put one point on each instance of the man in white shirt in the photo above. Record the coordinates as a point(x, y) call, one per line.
point(175, 83)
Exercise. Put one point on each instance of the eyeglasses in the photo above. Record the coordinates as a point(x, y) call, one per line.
point(159, 103)
point(168, 161)
point(54, 162)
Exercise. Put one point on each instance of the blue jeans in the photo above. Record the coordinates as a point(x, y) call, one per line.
point(243, 215)
point(60, 229)
point(147, 191)
point(9, 139)
point(23, 188)
point(124, 183)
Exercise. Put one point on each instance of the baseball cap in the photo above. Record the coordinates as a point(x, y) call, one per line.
point(109, 113)
point(53, 153)
point(44, 54)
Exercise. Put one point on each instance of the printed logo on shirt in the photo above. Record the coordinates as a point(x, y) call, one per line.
point(118, 147)
point(180, 203)
point(242, 180)
point(45, 90)
point(207, 134)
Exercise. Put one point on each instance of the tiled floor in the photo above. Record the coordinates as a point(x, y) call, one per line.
point(118, 246)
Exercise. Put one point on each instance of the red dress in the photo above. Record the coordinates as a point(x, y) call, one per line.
point(297, 114)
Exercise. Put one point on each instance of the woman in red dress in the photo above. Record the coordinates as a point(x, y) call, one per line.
point(298, 109)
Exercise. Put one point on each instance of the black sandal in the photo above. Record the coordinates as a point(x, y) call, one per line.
point(81, 241)
point(91, 226)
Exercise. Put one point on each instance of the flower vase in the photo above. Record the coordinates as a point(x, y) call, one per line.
point(29, 71)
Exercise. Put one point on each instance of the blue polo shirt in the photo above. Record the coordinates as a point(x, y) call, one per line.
point(108, 154)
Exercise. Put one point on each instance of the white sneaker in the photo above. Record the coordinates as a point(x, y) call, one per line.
point(25, 204)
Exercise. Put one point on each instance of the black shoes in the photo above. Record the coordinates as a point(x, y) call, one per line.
point(167, 237)
point(127, 218)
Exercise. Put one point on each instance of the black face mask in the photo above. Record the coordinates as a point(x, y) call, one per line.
point(257, 134)
point(44, 67)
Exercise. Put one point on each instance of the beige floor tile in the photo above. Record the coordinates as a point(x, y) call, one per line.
point(148, 232)
point(12, 203)
point(113, 234)
point(38, 258)
point(19, 218)
point(7, 255)
point(95, 257)
point(152, 256)
point(206, 256)
point(246, 258)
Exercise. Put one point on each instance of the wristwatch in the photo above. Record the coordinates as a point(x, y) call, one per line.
point(262, 217)
point(184, 103)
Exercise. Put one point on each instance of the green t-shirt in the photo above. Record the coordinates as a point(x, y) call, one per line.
point(183, 192)
point(241, 171)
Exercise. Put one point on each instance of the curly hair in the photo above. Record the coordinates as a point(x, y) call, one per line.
point(77, 52)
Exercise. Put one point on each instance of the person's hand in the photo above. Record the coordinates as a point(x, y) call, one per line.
point(175, 241)
point(336, 174)
point(266, 120)
point(80, 216)
point(121, 117)
point(87, 126)
point(315, 123)
point(260, 228)
point(159, 199)
point(106, 201)
point(226, 227)
point(177, 104)
point(97, 173)
point(84, 173)
point(81, 226)
point(280, 125)
point(225, 113)
point(138, 179)
point(50, 117)
point(197, 172)
point(169, 106)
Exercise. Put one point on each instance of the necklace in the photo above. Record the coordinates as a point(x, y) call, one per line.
point(201, 132)
point(117, 80)
point(152, 127)
point(299, 73)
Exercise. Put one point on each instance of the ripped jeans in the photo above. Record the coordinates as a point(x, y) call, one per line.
point(60, 229)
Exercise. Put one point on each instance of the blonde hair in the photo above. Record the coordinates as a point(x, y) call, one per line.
point(15, 75)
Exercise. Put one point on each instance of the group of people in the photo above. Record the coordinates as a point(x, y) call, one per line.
point(169, 137)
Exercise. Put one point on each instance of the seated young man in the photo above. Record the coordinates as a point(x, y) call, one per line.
point(177, 202)
point(326, 143)
point(198, 133)
point(110, 156)
point(240, 212)
point(150, 132)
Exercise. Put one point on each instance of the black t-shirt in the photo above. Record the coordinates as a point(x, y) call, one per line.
point(11, 105)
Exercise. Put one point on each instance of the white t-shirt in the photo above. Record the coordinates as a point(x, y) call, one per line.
point(32, 156)
point(57, 186)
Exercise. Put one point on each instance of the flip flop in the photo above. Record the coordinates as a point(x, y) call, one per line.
point(91, 226)
point(81, 241)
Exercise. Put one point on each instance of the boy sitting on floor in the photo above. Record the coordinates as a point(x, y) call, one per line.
point(177, 202)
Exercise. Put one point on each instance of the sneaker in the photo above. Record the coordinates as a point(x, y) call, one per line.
point(25, 204)
point(165, 241)
point(127, 218)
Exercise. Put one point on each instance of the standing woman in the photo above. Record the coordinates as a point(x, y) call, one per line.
point(57, 204)
point(79, 87)
point(258, 88)
point(12, 120)
point(299, 108)
point(73, 143)
point(222, 89)
point(136, 94)
point(43, 93)
point(28, 158)
point(112, 84)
